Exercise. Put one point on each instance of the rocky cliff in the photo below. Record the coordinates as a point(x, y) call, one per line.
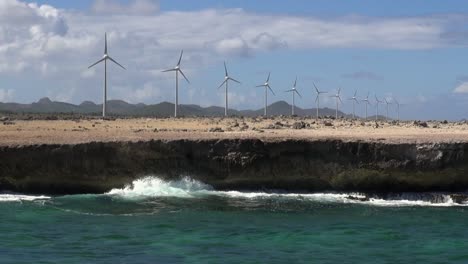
point(293, 165)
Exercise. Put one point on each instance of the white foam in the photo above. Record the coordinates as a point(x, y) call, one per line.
point(19, 198)
point(155, 187)
point(189, 188)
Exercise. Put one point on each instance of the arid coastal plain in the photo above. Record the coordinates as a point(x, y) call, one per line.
point(78, 130)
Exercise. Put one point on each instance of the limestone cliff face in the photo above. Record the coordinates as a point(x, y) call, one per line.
point(294, 165)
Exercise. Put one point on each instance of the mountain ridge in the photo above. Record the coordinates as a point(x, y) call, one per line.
point(163, 109)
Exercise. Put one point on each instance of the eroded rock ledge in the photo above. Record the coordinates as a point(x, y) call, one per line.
point(292, 165)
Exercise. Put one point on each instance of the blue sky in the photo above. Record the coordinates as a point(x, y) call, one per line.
point(415, 51)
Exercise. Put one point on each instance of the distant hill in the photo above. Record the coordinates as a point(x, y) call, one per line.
point(164, 109)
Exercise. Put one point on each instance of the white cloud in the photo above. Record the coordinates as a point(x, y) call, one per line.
point(135, 7)
point(462, 88)
point(6, 95)
point(232, 46)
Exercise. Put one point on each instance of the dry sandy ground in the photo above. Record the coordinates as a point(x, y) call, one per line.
point(271, 129)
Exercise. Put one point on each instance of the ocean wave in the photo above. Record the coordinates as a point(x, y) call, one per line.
point(20, 198)
point(189, 188)
point(156, 187)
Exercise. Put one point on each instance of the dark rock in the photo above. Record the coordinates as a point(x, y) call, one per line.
point(299, 125)
point(358, 198)
point(328, 124)
point(421, 124)
point(459, 198)
point(238, 164)
point(216, 130)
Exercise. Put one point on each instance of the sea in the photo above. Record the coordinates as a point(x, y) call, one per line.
point(186, 221)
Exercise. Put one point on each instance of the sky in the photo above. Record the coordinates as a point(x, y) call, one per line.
point(414, 52)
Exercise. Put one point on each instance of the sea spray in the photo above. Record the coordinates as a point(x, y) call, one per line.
point(21, 197)
point(156, 187)
point(186, 187)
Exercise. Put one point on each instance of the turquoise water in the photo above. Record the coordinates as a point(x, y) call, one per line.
point(188, 222)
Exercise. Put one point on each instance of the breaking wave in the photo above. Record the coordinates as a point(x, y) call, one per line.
point(20, 198)
point(189, 188)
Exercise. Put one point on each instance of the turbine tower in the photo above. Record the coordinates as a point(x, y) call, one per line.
point(104, 59)
point(267, 87)
point(227, 78)
point(387, 102)
point(177, 70)
point(367, 102)
point(377, 102)
point(355, 100)
point(294, 91)
point(317, 99)
point(337, 97)
point(398, 108)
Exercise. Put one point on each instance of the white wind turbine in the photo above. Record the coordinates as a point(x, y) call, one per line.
point(227, 78)
point(398, 108)
point(104, 59)
point(267, 87)
point(337, 97)
point(367, 102)
point(317, 99)
point(294, 91)
point(177, 70)
point(387, 102)
point(355, 100)
point(377, 102)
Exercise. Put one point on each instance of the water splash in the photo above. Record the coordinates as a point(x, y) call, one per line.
point(190, 188)
point(156, 187)
point(20, 198)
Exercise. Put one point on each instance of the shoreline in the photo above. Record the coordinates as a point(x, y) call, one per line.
point(95, 156)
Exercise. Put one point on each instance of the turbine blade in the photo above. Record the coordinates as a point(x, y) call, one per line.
point(96, 63)
point(181, 72)
point(316, 89)
point(295, 82)
point(234, 80)
point(225, 69)
point(169, 70)
point(180, 58)
point(340, 99)
point(268, 79)
point(287, 91)
point(298, 93)
point(355, 93)
point(105, 45)
point(316, 98)
point(271, 90)
point(222, 84)
point(110, 58)
point(262, 85)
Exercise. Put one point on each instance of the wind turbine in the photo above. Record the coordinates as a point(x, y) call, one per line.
point(227, 78)
point(337, 97)
point(377, 102)
point(104, 59)
point(177, 70)
point(294, 91)
point(387, 102)
point(355, 100)
point(367, 102)
point(317, 99)
point(267, 87)
point(398, 108)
